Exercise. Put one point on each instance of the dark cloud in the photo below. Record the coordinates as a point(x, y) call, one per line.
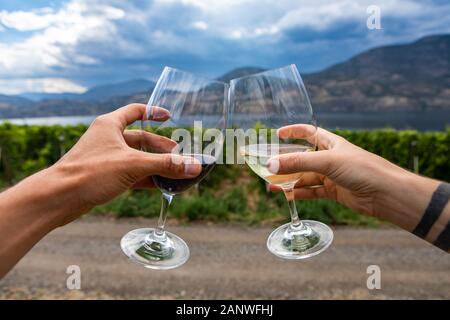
point(141, 37)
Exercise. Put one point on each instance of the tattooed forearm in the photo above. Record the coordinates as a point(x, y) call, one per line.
point(443, 240)
point(434, 210)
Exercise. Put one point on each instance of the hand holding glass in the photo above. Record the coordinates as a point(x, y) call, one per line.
point(268, 101)
point(190, 100)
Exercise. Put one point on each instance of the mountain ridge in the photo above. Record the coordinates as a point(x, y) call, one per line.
point(239, 72)
point(412, 77)
point(96, 93)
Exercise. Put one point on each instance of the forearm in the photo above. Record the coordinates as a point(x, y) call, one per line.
point(30, 210)
point(406, 200)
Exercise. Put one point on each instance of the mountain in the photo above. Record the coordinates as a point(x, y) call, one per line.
point(409, 77)
point(239, 72)
point(97, 93)
point(38, 96)
point(425, 59)
point(97, 100)
point(117, 89)
point(8, 103)
point(413, 76)
point(6, 99)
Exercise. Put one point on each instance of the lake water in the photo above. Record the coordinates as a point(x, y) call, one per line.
point(49, 121)
point(423, 121)
point(418, 120)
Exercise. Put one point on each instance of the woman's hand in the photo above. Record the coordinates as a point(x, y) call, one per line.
point(353, 177)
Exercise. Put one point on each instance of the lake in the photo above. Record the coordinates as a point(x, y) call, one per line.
point(419, 120)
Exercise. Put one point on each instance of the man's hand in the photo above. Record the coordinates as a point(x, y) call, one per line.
point(104, 163)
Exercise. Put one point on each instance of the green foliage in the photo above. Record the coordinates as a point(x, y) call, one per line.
point(26, 149)
point(230, 192)
point(432, 148)
point(134, 203)
point(235, 200)
point(202, 207)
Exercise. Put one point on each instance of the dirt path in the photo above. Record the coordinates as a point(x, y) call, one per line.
point(229, 262)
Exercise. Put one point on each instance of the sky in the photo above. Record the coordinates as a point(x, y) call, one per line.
point(70, 46)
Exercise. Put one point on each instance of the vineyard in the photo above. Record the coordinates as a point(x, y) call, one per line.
point(230, 192)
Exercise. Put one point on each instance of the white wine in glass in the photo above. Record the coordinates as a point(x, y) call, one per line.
point(257, 155)
point(271, 100)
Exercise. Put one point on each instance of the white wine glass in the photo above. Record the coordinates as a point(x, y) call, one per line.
point(197, 107)
point(265, 102)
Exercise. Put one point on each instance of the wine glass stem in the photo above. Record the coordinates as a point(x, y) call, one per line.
point(166, 199)
point(295, 220)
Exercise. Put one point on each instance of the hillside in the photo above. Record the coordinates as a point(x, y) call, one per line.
point(97, 100)
point(108, 91)
point(411, 77)
point(414, 76)
point(239, 72)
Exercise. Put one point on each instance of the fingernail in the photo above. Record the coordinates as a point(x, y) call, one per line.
point(191, 169)
point(273, 165)
point(160, 114)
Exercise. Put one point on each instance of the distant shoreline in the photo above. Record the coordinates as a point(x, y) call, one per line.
point(401, 120)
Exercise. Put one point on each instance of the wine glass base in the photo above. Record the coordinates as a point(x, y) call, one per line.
point(290, 244)
point(169, 253)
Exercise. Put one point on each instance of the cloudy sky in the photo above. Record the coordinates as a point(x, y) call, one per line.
point(68, 46)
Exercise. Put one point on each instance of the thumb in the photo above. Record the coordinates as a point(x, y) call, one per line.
point(319, 161)
point(169, 165)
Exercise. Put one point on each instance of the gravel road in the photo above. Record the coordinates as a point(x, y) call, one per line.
point(229, 261)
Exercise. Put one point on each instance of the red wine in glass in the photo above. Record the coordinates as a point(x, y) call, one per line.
point(175, 186)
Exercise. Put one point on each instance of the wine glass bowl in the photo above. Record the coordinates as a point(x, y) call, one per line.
point(193, 106)
point(267, 102)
